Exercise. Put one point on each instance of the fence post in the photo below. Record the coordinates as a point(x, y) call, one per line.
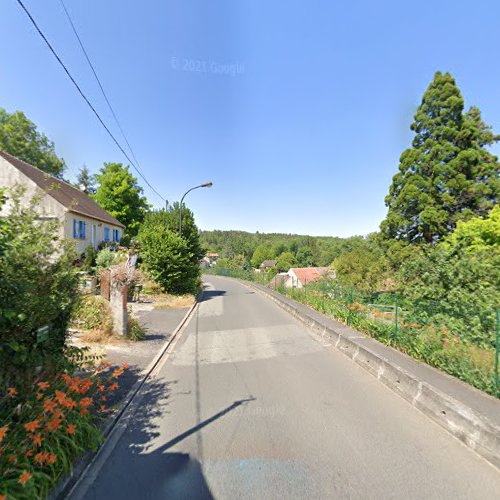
point(497, 350)
point(350, 304)
point(396, 319)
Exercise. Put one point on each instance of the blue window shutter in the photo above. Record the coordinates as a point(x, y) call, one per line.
point(106, 234)
point(84, 227)
point(75, 228)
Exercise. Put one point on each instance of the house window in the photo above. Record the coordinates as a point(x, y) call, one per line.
point(116, 235)
point(82, 229)
point(106, 234)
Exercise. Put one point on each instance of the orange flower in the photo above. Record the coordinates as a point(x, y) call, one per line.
point(102, 407)
point(117, 373)
point(85, 402)
point(101, 388)
point(58, 413)
point(125, 366)
point(60, 396)
point(12, 391)
point(71, 429)
point(37, 439)
point(32, 426)
point(43, 385)
point(68, 403)
point(41, 457)
point(49, 405)
point(66, 378)
point(28, 453)
point(113, 386)
point(74, 387)
point(85, 385)
point(3, 431)
point(24, 477)
point(103, 398)
point(12, 459)
point(54, 424)
point(2, 497)
point(52, 457)
point(83, 411)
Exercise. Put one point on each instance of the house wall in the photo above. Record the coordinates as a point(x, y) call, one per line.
point(11, 176)
point(292, 280)
point(49, 207)
point(82, 244)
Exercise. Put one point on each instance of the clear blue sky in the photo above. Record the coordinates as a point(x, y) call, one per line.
point(303, 138)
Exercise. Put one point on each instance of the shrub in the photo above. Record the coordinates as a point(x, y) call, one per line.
point(134, 331)
point(105, 258)
point(167, 258)
point(89, 258)
point(51, 424)
point(92, 312)
point(38, 287)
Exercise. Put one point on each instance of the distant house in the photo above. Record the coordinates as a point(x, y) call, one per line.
point(278, 281)
point(267, 264)
point(301, 276)
point(84, 221)
point(212, 257)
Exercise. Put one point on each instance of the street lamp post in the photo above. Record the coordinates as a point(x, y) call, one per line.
point(204, 185)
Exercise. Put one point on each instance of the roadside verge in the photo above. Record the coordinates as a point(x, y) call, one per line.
point(80, 469)
point(468, 414)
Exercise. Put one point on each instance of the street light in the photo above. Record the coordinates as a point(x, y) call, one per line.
point(204, 185)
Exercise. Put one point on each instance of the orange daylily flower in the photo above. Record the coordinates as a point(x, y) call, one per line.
point(43, 385)
point(66, 378)
point(24, 477)
point(37, 439)
point(101, 388)
point(54, 424)
point(102, 407)
point(3, 431)
point(12, 391)
point(41, 457)
point(52, 457)
point(28, 453)
point(85, 386)
point(58, 413)
point(12, 459)
point(60, 396)
point(68, 403)
point(83, 411)
point(103, 398)
point(2, 497)
point(49, 405)
point(125, 366)
point(32, 426)
point(113, 386)
point(86, 402)
point(117, 373)
point(71, 429)
point(39, 396)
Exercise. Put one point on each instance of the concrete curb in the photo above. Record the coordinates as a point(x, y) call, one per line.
point(466, 424)
point(79, 469)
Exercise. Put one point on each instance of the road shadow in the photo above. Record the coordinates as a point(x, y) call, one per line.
point(141, 466)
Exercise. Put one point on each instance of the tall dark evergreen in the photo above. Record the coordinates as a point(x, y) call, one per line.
point(448, 174)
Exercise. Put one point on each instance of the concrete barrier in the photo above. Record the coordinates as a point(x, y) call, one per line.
point(466, 424)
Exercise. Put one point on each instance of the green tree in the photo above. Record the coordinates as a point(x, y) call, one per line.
point(86, 181)
point(21, 138)
point(38, 287)
point(119, 193)
point(305, 257)
point(447, 175)
point(261, 253)
point(167, 257)
point(363, 269)
point(285, 261)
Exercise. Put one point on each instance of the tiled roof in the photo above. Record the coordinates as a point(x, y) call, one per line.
point(268, 263)
point(307, 274)
point(72, 198)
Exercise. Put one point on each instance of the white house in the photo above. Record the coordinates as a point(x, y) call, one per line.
point(84, 221)
point(301, 276)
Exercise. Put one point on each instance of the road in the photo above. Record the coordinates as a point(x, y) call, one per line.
point(250, 404)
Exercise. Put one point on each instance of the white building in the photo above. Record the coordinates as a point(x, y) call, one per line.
point(83, 220)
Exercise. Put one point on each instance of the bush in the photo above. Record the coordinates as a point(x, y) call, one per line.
point(105, 259)
point(43, 428)
point(134, 332)
point(38, 287)
point(167, 258)
point(89, 258)
point(92, 312)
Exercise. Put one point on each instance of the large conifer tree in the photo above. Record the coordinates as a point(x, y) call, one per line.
point(447, 175)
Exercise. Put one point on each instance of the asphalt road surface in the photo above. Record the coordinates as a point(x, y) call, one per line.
point(250, 404)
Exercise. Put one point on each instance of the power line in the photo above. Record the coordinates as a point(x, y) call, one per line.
point(101, 87)
point(84, 96)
